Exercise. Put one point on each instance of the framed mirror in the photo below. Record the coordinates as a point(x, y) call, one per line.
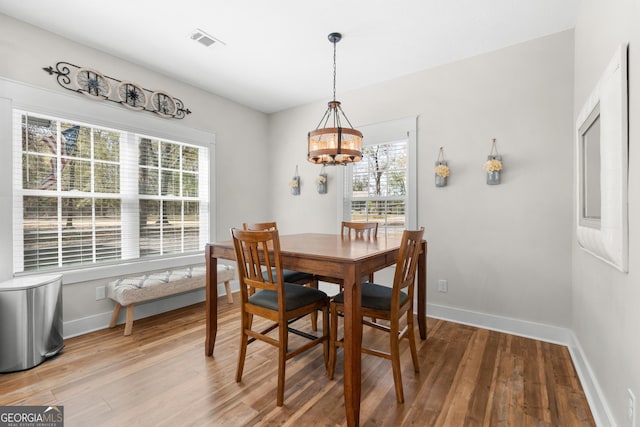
point(590, 186)
point(602, 166)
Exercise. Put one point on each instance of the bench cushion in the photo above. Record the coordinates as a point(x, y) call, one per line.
point(130, 290)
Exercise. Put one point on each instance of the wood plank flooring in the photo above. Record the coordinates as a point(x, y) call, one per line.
point(159, 376)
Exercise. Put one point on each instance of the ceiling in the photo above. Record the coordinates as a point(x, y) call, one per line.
point(275, 54)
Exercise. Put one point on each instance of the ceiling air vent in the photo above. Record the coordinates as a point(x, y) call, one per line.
point(203, 38)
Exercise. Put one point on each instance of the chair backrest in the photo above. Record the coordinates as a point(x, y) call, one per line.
point(258, 252)
point(406, 267)
point(359, 230)
point(259, 226)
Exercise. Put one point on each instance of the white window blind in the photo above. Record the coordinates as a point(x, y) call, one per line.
point(86, 195)
point(377, 187)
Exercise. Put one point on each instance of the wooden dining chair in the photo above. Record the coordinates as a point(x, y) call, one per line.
point(270, 297)
point(354, 230)
point(359, 230)
point(390, 304)
point(290, 276)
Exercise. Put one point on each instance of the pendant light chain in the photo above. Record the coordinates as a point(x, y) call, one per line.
point(334, 70)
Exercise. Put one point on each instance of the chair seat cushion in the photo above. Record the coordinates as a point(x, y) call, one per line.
point(374, 296)
point(296, 296)
point(291, 276)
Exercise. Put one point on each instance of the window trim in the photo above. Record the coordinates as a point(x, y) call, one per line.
point(380, 133)
point(36, 100)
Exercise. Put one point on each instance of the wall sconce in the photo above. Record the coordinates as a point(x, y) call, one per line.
point(441, 170)
point(294, 184)
point(493, 165)
point(321, 182)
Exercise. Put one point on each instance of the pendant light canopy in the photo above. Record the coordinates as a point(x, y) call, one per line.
point(330, 143)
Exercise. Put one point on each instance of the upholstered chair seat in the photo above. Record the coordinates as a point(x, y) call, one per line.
point(296, 296)
point(297, 277)
point(376, 297)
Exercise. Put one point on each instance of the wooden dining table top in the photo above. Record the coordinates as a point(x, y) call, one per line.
point(334, 246)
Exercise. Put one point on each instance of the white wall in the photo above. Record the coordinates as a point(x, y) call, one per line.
point(505, 250)
point(238, 130)
point(606, 302)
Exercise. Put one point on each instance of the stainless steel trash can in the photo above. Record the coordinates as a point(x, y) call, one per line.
point(30, 321)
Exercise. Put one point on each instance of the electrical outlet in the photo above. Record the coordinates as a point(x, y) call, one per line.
point(443, 286)
point(101, 293)
point(631, 408)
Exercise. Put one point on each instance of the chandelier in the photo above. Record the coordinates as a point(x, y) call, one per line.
point(330, 143)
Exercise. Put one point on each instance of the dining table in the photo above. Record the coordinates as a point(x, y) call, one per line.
point(328, 255)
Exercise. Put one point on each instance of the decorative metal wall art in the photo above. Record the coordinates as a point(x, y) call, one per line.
point(131, 95)
point(92, 83)
point(98, 86)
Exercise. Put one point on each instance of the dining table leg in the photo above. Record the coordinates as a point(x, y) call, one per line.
point(352, 344)
point(422, 291)
point(211, 305)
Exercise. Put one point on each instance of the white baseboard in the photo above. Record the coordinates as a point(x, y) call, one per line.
point(99, 321)
point(523, 328)
point(539, 331)
point(598, 404)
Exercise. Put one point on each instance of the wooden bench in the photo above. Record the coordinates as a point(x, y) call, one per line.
point(128, 291)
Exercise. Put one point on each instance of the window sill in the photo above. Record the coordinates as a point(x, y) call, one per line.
point(128, 267)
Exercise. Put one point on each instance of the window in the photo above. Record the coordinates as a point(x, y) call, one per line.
point(85, 195)
point(168, 188)
point(379, 188)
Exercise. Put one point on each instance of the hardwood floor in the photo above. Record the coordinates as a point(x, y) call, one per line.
point(159, 376)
